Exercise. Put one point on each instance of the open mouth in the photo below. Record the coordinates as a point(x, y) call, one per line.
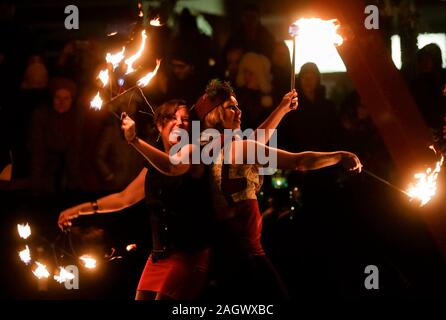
point(175, 134)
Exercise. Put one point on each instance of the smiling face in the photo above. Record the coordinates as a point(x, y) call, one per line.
point(169, 129)
point(231, 114)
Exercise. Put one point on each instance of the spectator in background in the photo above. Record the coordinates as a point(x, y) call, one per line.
point(32, 93)
point(251, 35)
point(182, 78)
point(118, 164)
point(315, 125)
point(67, 64)
point(34, 84)
point(36, 74)
point(359, 135)
point(427, 86)
point(254, 89)
point(232, 59)
point(188, 34)
point(55, 141)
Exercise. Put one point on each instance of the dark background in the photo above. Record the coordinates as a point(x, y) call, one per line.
point(321, 250)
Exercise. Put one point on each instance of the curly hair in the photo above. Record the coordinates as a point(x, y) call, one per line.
point(218, 90)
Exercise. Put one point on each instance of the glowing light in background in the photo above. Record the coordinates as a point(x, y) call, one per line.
point(315, 42)
point(423, 39)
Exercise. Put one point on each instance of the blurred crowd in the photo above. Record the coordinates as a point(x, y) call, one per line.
point(54, 144)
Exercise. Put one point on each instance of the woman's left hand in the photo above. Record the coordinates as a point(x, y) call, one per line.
point(128, 126)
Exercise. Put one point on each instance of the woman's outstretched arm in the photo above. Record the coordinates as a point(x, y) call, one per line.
point(253, 152)
point(132, 194)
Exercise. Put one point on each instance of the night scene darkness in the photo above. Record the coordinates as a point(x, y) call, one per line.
point(235, 158)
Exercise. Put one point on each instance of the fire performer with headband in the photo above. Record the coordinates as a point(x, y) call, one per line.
point(235, 186)
point(177, 267)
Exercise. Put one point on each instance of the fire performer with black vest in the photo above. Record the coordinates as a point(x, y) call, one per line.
point(180, 222)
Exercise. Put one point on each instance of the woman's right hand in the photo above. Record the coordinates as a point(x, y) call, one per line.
point(289, 101)
point(66, 216)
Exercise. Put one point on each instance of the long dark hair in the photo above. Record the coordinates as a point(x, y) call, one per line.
point(320, 89)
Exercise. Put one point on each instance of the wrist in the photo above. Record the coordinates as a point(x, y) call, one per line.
point(283, 110)
point(342, 155)
point(134, 140)
point(94, 206)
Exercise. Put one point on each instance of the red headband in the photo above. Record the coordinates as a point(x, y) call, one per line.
point(204, 105)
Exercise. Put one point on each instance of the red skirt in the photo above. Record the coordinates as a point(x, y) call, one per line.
point(246, 225)
point(180, 276)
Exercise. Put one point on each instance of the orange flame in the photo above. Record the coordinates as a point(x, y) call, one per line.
point(116, 58)
point(63, 276)
point(315, 30)
point(41, 271)
point(24, 230)
point(25, 255)
point(147, 78)
point(96, 103)
point(156, 22)
point(103, 76)
point(131, 247)
point(129, 62)
point(426, 185)
point(88, 261)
